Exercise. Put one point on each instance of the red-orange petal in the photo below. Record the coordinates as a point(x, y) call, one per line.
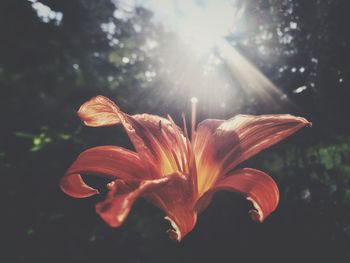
point(236, 140)
point(122, 195)
point(108, 161)
point(156, 139)
point(165, 192)
point(164, 140)
point(255, 185)
point(176, 199)
point(99, 111)
point(256, 133)
point(204, 138)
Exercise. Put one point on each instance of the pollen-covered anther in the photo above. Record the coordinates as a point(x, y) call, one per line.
point(111, 185)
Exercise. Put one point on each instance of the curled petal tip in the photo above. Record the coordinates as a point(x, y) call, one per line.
point(309, 124)
point(256, 214)
point(182, 223)
point(175, 233)
point(258, 188)
point(74, 186)
point(303, 120)
point(99, 111)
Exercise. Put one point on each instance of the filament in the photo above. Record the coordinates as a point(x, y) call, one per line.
point(194, 102)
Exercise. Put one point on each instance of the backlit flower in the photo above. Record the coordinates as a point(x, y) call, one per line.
point(177, 174)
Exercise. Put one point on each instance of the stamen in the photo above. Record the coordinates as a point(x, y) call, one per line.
point(188, 144)
point(184, 125)
point(182, 146)
point(194, 102)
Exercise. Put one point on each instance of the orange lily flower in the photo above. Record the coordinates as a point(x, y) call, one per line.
point(175, 173)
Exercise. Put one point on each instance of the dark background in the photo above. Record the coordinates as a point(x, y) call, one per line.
point(48, 68)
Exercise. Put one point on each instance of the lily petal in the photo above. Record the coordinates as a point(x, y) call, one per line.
point(164, 139)
point(221, 145)
point(255, 133)
point(255, 185)
point(164, 193)
point(98, 111)
point(109, 161)
point(203, 137)
point(122, 195)
point(176, 199)
point(204, 148)
point(156, 139)
point(101, 111)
